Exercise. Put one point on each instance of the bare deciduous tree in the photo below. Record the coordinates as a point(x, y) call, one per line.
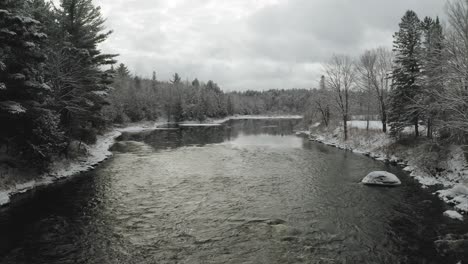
point(374, 68)
point(454, 98)
point(341, 74)
point(322, 103)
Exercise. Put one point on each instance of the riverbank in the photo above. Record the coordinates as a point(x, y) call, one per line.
point(445, 169)
point(18, 181)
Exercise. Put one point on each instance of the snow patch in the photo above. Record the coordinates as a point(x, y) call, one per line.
point(24, 187)
point(199, 125)
point(4, 198)
point(454, 215)
point(12, 107)
point(374, 125)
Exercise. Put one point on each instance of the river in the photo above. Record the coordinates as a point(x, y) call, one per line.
point(249, 191)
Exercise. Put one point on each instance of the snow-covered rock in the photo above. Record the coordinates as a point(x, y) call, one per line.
point(24, 187)
point(454, 215)
point(4, 198)
point(381, 178)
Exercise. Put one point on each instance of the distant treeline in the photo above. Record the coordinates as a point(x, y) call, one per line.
point(134, 99)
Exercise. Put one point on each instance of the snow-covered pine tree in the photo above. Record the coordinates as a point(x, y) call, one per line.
point(122, 71)
point(28, 124)
point(432, 71)
point(80, 85)
point(406, 72)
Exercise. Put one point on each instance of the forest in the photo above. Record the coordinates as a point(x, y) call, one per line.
point(422, 83)
point(135, 99)
point(56, 86)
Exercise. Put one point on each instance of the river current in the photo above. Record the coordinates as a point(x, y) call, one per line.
point(249, 191)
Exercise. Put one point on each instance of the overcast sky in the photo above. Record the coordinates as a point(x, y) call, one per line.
point(250, 44)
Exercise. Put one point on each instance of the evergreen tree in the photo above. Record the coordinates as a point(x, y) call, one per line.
point(178, 109)
point(29, 125)
point(80, 85)
point(406, 72)
point(230, 106)
point(122, 71)
point(432, 71)
point(196, 83)
point(176, 79)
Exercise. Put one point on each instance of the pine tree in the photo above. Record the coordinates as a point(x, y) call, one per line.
point(122, 71)
point(178, 109)
point(80, 85)
point(229, 106)
point(31, 126)
point(176, 79)
point(406, 72)
point(432, 71)
point(196, 83)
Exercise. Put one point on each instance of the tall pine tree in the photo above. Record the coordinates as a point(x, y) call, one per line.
point(406, 72)
point(432, 71)
point(80, 84)
point(30, 127)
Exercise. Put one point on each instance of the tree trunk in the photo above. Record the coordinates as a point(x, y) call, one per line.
point(384, 115)
point(416, 128)
point(368, 115)
point(345, 127)
point(429, 128)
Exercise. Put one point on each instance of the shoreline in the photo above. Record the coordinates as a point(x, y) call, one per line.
point(452, 185)
point(97, 153)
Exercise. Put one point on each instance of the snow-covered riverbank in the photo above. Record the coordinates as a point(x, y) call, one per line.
point(96, 153)
point(451, 175)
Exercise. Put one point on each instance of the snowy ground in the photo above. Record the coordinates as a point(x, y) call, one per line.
point(374, 125)
point(453, 178)
point(99, 152)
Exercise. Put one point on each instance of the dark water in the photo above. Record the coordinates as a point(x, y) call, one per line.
point(246, 192)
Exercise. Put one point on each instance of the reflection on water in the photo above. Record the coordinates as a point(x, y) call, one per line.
point(246, 192)
point(271, 141)
point(271, 131)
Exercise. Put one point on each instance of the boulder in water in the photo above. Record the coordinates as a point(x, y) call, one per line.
point(381, 178)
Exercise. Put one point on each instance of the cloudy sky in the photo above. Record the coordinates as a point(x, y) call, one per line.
point(250, 44)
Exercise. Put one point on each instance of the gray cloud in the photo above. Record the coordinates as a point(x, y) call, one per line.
point(246, 44)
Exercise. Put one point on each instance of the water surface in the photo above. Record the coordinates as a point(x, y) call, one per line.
point(246, 192)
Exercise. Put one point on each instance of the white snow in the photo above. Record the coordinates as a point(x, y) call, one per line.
point(374, 125)
point(457, 195)
point(316, 125)
point(454, 215)
point(4, 198)
point(382, 178)
point(101, 93)
point(217, 122)
point(303, 133)
point(24, 187)
point(199, 125)
point(377, 125)
point(248, 117)
point(12, 107)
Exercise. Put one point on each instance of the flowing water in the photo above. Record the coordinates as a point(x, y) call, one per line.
point(245, 192)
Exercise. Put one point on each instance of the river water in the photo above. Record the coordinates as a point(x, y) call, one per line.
point(246, 192)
